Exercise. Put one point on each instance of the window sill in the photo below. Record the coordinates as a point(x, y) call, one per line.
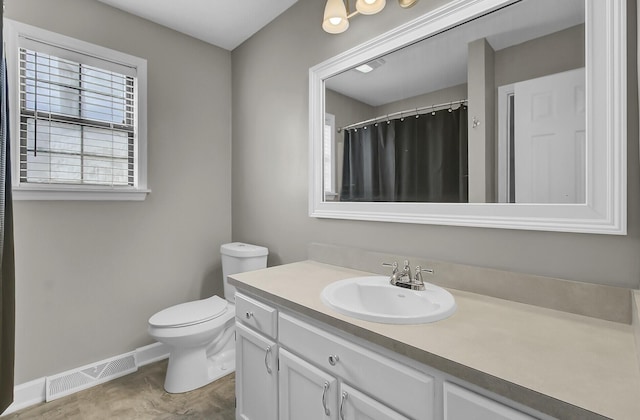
point(72, 193)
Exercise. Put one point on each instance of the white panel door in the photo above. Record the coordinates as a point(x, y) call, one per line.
point(549, 135)
point(306, 392)
point(256, 376)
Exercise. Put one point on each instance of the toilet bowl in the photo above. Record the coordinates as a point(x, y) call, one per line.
point(200, 334)
point(191, 330)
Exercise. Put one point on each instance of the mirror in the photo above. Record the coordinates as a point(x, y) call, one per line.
point(403, 133)
point(481, 113)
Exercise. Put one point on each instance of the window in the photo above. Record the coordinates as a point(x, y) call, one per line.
point(79, 118)
point(77, 122)
point(329, 157)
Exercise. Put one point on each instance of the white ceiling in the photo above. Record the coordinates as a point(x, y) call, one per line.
point(225, 24)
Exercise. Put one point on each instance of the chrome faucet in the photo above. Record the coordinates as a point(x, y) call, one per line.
point(405, 275)
point(403, 278)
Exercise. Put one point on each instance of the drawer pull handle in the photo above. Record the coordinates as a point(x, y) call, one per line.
point(344, 397)
point(266, 359)
point(324, 399)
point(333, 359)
point(248, 315)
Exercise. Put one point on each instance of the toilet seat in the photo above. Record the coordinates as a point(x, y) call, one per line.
point(189, 313)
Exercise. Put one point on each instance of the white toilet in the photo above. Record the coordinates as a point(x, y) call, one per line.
point(200, 333)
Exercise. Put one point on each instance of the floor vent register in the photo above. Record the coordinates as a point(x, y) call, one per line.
point(84, 377)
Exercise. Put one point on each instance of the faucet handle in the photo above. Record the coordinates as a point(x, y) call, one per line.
point(419, 271)
point(393, 265)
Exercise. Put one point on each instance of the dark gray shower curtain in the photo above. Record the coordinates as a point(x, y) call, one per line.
point(7, 267)
point(408, 160)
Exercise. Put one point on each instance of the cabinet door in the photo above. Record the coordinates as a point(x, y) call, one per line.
point(306, 392)
point(354, 405)
point(394, 384)
point(256, 376)
point(462, 404)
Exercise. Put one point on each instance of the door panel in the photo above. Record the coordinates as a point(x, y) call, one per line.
point(549, 145)
point(306, 392)
point(256, 375)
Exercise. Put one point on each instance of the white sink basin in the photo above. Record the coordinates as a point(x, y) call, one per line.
point(373, 298)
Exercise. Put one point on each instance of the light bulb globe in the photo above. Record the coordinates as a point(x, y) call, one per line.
point(335, 17)
point(370, 7)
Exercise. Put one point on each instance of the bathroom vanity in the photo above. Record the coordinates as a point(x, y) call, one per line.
point(492, 359)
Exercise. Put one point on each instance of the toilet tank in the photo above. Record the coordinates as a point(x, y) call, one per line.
point(238, 257)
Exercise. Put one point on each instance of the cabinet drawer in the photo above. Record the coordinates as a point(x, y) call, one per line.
point(355, 405)
point(462, 404)
point(257, 315)
point(400, 387)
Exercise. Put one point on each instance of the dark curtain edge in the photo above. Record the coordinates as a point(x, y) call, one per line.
point(7, 261)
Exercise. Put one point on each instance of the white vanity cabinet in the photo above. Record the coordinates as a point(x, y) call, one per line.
point(288, 368)
point(306, 392)
point(256, 361)
point(371, 385)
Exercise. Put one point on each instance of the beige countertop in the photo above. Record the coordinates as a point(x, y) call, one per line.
point(562, 364)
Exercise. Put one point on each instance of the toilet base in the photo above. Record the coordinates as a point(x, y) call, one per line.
point(190, 369)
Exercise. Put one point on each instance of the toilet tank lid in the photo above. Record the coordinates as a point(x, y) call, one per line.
point(239, 249)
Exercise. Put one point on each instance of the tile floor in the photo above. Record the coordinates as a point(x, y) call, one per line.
point(139, 396)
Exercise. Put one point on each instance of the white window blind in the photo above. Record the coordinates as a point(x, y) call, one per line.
point(77, 120)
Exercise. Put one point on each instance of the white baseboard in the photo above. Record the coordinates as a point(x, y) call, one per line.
point(151, 354)
point(34, 392)
point(27, 394)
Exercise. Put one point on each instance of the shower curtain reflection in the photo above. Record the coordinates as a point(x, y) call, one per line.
point(408, 159)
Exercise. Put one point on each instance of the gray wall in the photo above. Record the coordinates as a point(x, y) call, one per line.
point(554, 53)
point(482, 144)
point(346, 110)
point(452, 93)
point(89, 274)
point(270, 167)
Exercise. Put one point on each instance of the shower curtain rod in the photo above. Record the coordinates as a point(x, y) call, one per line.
point(407, 113)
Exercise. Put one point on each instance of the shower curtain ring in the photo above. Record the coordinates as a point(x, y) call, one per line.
point(417, 114)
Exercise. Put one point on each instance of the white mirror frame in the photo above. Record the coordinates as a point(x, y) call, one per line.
point(605, 210)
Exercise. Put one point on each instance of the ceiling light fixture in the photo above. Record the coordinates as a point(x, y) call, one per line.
point(364, 68)
point(405, 4)
point(337, 14)
point(370, 66)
